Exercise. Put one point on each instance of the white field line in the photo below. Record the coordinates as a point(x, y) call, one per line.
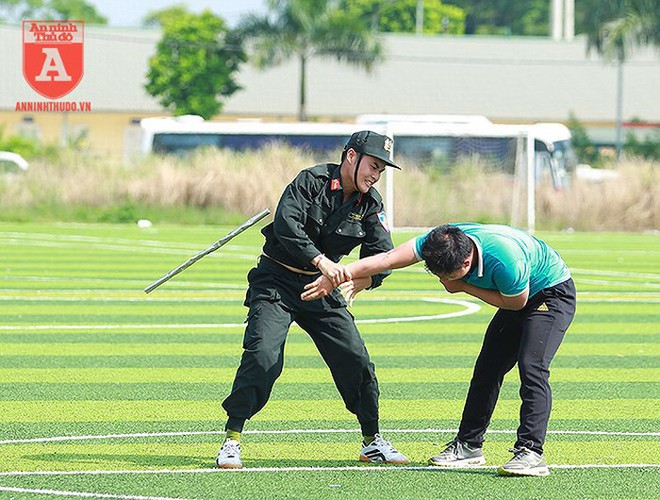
point(617, 283)
point(644, 297)
point(63, 240)
point(121, 327)
point(82, 494)
point(43, 239)
point(93, 242)
point(469, 308)
point(275, 469)
point(303, 431)
point(138, 283)
point(623, 274)
point(363, 468)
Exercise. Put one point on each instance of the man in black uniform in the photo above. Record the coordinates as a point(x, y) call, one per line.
point(326, 212)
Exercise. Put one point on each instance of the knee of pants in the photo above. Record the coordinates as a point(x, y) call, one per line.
point(532, 368)
point(361, 363)
point(265, 359)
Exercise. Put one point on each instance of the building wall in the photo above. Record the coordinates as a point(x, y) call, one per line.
point(506, 79)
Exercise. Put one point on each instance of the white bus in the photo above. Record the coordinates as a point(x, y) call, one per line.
point(442, 141)
point(185, 133)
point(431, 141)
point(438, 142)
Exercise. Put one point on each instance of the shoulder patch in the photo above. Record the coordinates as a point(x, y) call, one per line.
point(373, 192)
point(323, 170)
point(382, 218)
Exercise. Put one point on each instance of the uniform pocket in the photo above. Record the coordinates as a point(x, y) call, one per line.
point(253, 295)
point(260, 287)
point(314, 222)
point(350, 229)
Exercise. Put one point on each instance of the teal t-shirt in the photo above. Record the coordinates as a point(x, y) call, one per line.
point(509, 259)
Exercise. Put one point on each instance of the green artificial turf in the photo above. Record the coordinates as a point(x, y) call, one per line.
point(105, 390)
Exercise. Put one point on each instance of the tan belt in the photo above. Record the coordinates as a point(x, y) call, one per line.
point(291, 268)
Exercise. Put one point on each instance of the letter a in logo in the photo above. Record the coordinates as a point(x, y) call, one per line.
point(53, 56)
point(52, 64)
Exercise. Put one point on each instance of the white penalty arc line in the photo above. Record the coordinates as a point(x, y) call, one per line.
point(302, 431)
point(469, 308)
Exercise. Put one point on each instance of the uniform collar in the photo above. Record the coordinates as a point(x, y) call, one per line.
point(480, 257)
point(336, 186)
point(335, 180)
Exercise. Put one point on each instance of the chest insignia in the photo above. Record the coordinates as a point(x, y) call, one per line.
point(355, 216)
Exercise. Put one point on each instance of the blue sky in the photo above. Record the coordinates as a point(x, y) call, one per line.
point(129, 13)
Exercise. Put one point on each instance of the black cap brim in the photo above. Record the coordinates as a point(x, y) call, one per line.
point(381, 155)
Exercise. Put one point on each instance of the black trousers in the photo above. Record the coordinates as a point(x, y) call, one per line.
point(529, 337)
point(273, 297)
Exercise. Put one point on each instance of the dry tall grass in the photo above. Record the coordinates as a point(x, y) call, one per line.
point(249, 182)
point(630, 202)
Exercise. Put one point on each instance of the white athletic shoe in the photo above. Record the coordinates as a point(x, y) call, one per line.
point(458, 454)
point(229, 456)
point(381, 451)
point(525, 462)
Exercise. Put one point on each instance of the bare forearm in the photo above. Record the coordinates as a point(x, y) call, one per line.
point(401, 256)
point(495, 298)
point(369, 266)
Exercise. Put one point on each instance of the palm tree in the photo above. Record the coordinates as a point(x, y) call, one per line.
point(613, 29)
point(307, 28)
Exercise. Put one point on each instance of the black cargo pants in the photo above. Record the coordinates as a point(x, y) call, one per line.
point(529, 337)
point(273, 297)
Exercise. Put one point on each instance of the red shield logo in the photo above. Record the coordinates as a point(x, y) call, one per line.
point(53, 56)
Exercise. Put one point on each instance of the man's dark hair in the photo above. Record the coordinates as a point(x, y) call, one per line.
point(445, 250)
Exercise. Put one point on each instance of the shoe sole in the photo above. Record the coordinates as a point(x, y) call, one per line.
point(468, 462)
point(229, 466)
point(536, 472)
point(393, 462)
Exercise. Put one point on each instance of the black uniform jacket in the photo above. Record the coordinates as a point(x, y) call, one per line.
point(311, 218)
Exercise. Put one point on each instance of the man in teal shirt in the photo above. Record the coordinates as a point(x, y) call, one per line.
point(532, 288)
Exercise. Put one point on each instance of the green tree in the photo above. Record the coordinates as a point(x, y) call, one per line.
point(15, 10)
point(614, 28)
point(194, 64)
point(307, 28)
point(164, 16)
point(505, 17)
point(401, 16)
point(585, 149)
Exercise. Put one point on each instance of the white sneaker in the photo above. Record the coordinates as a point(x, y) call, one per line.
point(381, 451)
point(525, 462)
point(229, 456)
point(458, 454)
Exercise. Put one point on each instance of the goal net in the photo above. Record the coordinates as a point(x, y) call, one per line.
point(459, 173)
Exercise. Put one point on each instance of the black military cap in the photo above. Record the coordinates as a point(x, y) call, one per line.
point(372, 144)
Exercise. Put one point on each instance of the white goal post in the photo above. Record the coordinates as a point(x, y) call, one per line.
point(526, 152)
